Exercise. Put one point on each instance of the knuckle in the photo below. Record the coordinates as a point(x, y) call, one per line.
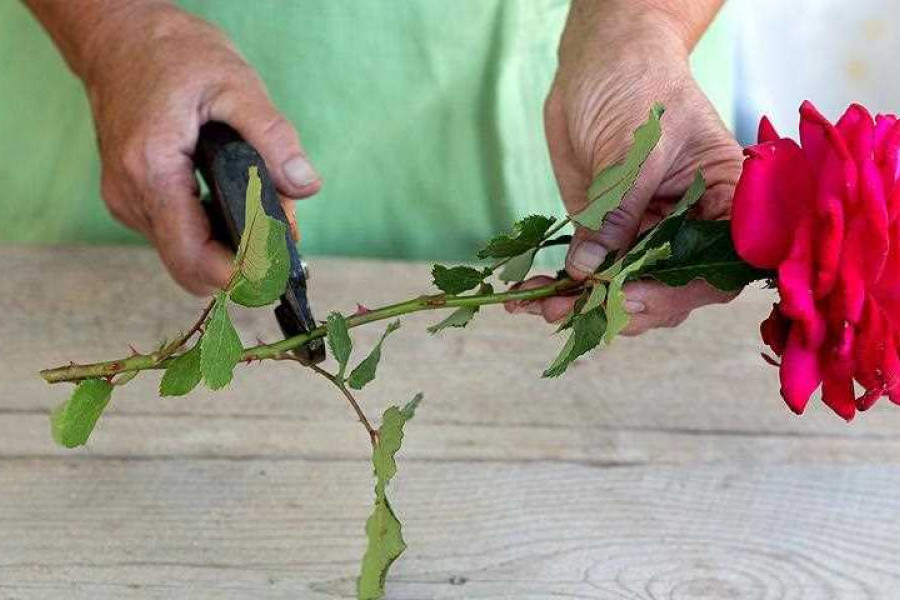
point(133, 159)
point(277, 125)
point(184, 271)
point(552, 104)
point(115, 202)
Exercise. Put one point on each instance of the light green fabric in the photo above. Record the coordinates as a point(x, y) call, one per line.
point(423, 116)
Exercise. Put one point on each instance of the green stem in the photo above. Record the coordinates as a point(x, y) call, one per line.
point(339, 384)
point(143, 362)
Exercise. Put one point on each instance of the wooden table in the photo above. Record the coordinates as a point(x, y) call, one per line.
point(665, 467)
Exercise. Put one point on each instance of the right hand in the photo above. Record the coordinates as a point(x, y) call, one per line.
point(156, 75)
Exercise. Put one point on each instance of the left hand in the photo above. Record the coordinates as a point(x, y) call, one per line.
point(608, 79)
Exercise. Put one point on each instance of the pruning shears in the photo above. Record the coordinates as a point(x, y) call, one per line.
point(223, 158)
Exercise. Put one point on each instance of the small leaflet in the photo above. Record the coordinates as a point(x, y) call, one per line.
point(262, 259)
point(73, 421)
point(615, 297)
point(517, 268)
point(383, 528)
point(525, 235)
point(183, 374)
point(339, 341)
point(456, 280)
point(220, 346)
point(462, 315)
point(612, 184)
point(364, 372)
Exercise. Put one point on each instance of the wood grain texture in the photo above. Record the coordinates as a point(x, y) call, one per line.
point(686, 479)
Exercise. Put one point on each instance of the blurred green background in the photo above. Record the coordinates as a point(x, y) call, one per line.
point(424, 118)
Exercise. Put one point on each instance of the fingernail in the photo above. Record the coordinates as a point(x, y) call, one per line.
point(300, 171)
point(633, 307)
point(588, 256)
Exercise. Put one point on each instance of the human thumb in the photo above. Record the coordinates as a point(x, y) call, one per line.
point(620, 227)
point(251, 112)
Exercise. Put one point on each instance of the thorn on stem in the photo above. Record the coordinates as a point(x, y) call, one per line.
point(134, 351)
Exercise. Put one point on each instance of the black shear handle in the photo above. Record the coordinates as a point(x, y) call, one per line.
point(223, 159)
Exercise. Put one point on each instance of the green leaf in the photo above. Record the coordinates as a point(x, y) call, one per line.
point(596, 297)
point(587, 334)
point(615, 296)
point(612, 184)
point(262, 260)
point(462, 315)
point(518, 267)
point(365, 371)
point(267, 290)
point(665, 230)
point(220, 346)
point(458, 318)
point(73, 421)
point(456, 280)
point(704, 250)
point(383, 529)
point(525, 235)
point(576, 310)
point(183, 374)
point(339, 341)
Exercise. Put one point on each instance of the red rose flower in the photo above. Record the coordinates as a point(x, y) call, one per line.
point(823, 215)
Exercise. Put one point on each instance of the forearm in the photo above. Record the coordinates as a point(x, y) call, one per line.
point(682, 20)
point(76, 26)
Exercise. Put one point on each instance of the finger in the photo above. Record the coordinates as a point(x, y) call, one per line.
point(249, 110)
point(653, 305)
point(517, 306)
point(124, 204)
point(552, 309)
point(183, 238)
point(557, 308)
point(621, 225)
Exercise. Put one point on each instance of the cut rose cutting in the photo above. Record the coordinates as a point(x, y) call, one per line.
point(818, 218)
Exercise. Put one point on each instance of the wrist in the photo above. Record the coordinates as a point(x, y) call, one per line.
point(673, 26)
point(118, 29)
point(686, 19)
point(616, 30)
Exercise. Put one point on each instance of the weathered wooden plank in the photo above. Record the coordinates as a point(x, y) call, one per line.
point(684, 479)
point(292, 529)
point(149, 436)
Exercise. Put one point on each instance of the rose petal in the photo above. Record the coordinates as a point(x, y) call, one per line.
point(837, 386)
point(774, 190)
point(868, 399)
point(837, 394)
point(819, 137)
point(800, 372)
point(830, 201)
point(795, 285)
point(775, 330)
point(873, 204)
point(767, 131)
point(870, 348)
point(858, 131)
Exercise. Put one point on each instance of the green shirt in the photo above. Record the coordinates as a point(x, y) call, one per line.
point(423, 117)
